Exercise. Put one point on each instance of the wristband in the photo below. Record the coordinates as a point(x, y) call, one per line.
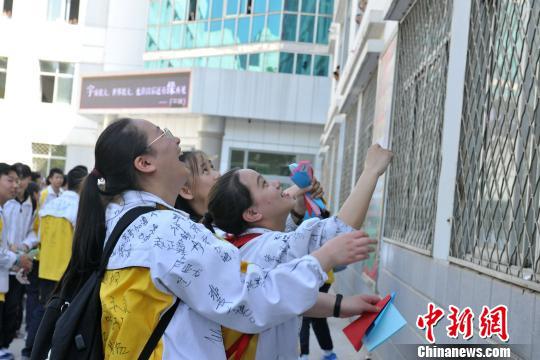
point(337, 305)
point(298, 216)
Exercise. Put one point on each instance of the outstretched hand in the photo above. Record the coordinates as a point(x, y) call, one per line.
point(345, 249)
point(358, 304)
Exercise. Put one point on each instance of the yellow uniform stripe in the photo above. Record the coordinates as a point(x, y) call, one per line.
point(131, 309)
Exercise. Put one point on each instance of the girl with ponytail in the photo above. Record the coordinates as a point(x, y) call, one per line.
point(163, 256)
point(232, 201)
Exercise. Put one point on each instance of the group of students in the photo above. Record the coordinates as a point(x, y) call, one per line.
point(34, 246)
point(232, 255)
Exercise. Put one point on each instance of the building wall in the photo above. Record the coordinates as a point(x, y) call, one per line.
point(105, 38)
point(446, 272)
point(277, 137)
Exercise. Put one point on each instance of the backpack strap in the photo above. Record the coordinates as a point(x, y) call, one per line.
point(158, 332)
point(118, 230)
point(129, 217)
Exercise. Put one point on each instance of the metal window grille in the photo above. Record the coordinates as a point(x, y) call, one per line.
point(366, 123)
point(332, 164)
point(423, 42)
point(348, 154)
point(496, 215)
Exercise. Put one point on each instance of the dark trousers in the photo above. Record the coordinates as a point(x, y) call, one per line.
point(12, 311)
point(34, 310)
point(320, 328)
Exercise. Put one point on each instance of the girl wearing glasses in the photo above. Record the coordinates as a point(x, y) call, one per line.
point(163, 255)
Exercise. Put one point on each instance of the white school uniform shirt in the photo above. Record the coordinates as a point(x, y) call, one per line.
point(188, 261)
point(47, 195)
point(64, 206)
point(7, 257)
point(20, 220)
point(272, 248)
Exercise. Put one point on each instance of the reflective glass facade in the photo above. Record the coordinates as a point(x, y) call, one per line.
point(191, 24)
point(283, 62)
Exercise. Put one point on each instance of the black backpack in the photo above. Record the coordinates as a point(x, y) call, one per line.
point(77, 332)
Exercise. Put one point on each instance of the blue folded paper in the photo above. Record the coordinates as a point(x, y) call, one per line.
point(387, 323)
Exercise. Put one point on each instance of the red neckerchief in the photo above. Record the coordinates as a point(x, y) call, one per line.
point(241, 240)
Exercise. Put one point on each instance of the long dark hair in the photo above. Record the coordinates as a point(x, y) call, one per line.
point(190, 159)
point(116, 148)
point(228, 200)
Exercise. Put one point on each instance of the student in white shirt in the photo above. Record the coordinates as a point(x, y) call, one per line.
point(257, 217)
point(163, 255)
point(8, 259)
point(55, 180)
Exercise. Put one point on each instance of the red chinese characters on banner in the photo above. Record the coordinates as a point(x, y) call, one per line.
point(460, 322)
point(493, 322)
point(429, 320)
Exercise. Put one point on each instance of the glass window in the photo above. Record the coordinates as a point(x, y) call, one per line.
point(270, 164)
point(3, 70)
point(241, 62)
point(7, 9)
point(180, 10)
point(215, 33)
point(203, 9)
point(56, 81)
point(228, 31)
point(320, 65)
point(275, 5)
point(47, 89)
point(286, 63)
point(260, 6)
point(227, 62)
point(271, 62)
point(66, 68)
point(257, 29)
point(189, 40)
point(243, 30)
point(54, 10)
point(153, 12)
point(307, 27)
point(291, 5)
point(232, 7)
point(188, 62)
point(177, 35)
point(214, 62)
point(166, 12)
point(217, 9)
point(199, 62)
point(303, 64)
point(164, 38)
point(192, 9)
point(244, 6)
point(201, 36)
point(323, 28)
point(151, 39)
point(308, 6)
point(255, 62)
point(46, 156)
point(151, 65)
point(326, 7)
point(272, 26)
point(237, 159)
point(289, 27)
point(65, 88)
point(63, 10)
point(176, 63)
